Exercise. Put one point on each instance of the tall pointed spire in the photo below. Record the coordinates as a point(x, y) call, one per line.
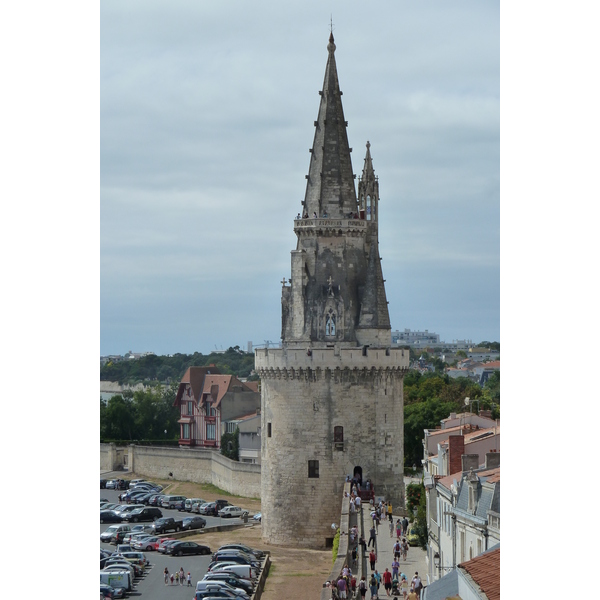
point(330, 187)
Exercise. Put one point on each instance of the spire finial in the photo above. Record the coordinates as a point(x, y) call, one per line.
point(331, 30)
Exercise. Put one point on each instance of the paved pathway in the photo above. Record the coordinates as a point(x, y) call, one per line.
point(415, 559)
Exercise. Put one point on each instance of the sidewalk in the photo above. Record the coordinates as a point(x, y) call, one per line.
point(415, 559)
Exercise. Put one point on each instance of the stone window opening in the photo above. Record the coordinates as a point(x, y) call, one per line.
point(313, 469)
point(338, 437)
point(330, 322)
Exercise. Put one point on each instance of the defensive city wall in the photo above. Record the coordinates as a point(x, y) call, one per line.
point(198, 465)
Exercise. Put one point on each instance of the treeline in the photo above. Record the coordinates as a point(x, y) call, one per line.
point(167, 369)
point(431, 397)
point(147, 415)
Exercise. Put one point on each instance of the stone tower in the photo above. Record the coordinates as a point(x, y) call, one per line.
point(332, 401)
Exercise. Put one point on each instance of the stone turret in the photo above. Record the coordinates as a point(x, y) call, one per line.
point(332, 396)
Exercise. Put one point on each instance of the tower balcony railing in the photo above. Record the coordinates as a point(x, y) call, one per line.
point(329, 223)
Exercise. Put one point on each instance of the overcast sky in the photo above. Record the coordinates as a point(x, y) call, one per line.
point(207, 113)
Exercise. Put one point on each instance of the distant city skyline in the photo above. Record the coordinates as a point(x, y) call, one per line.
point(206, 119)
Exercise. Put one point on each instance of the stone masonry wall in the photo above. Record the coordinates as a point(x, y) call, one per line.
point(197, 465)
point(300, 410)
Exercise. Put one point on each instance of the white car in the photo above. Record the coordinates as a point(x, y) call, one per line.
point(232, 511)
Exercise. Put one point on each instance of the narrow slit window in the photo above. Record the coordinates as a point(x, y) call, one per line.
point(313, 469)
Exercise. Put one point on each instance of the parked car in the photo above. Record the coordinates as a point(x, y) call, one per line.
point(217, 593)
point(136, 557)
point(107, 591)
point(103, 484)
point(180, 548)
point(141, 529)
point(127, 509)
point(232, 511)
point(196, 504)
point(190, 502)
point(162, 547)
point(110, 516)
point(148, 513)
point(173, 502)
point(117, 579)
point(236, 556)
point(112, 531)
point(257, 517)
point(120, 564)
point(193, 523)
point(147, 544)
point(207, 508)
point(223, 585)
point(232, 579)
point(166, 524)
point(258, 553)
point(245, 571)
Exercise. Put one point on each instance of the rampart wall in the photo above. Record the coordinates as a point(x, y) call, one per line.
point(198, 465)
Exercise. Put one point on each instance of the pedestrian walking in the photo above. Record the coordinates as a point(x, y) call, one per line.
point(404, 585)
point(404, 548)
point(372, 559)
point(362, 587)
point(181, 576)
point(391, 529)
point(172, 578)
point(166, 574)
point(404, 526)
point(398, 529)
point(176, 577)
point(416, 585)
point(378, 577)
point(373, 587)
point(387, 581)
point(373, 535)
point(189, 579)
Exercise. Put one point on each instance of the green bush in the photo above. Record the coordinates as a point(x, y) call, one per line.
point(336, 544)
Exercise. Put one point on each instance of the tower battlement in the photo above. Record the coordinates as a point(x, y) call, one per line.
point(267, 360)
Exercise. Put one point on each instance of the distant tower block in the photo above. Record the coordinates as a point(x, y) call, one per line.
point(332, 401)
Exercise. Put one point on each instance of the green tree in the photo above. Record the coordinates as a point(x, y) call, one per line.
point(230, 444)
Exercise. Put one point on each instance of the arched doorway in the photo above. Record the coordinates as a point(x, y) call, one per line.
point(357, 474)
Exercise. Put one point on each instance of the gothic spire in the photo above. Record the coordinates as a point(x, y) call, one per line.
point(330, 187)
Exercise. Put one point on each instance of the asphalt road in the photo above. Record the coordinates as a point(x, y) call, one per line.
point(151, 585)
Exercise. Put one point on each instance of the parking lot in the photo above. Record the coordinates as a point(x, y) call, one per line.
point(151, 584)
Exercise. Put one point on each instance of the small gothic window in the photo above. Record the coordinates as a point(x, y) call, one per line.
point(268, 429)
point(368, 208)
point(313, 469)
point(330, 325)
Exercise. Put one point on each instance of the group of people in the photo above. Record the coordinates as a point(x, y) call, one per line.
point(177, 578)
point(394, 583)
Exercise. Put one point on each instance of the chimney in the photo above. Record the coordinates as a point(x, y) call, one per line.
point(492, 460)
point(456, 448)
point(470, 461)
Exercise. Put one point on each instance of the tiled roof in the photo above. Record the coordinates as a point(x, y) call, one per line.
point(448, 480)
point(485, 572)
point(194, 376)
point(253, 385)
point(495, 364)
